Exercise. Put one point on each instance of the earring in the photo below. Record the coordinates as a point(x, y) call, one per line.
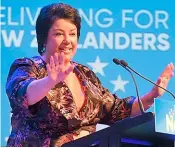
point(43, 49)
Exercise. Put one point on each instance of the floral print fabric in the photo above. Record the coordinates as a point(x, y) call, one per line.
point(54, 120)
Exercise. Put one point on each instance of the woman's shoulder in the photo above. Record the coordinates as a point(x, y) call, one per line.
point(25, 61)
point(86, 71)
point(82, 67)
point(20, 62)
point(34, 63)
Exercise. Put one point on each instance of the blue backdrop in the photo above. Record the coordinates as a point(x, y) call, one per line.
point(140, 32)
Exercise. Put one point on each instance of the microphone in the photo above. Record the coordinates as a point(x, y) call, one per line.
point(123, 64)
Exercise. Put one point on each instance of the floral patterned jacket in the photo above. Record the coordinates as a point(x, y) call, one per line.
point(54, 120)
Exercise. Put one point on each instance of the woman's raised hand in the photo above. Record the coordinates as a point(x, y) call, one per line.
point(163, 80)
point(56, 69)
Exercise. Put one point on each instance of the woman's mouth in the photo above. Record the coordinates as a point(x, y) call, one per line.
point(66, 50)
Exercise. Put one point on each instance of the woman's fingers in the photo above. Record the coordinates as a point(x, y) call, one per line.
point(61, 59)
point(56, 58)
point(172, 66)
point(57, 61)
point(172, 69)
point(159, 81)
point(168, 71)
point(164, 78)
point(52, 63)
point(48, 67)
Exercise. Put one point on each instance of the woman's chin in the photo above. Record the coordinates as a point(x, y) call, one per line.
point(67, 60)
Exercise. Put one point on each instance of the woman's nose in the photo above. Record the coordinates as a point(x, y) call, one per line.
point(66, 39)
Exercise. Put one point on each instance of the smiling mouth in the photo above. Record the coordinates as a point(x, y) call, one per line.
point(65, 50)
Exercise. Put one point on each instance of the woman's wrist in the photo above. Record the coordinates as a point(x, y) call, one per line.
point(50, 82)
point(150, 97)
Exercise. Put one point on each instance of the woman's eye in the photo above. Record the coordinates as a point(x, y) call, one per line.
point(73, 34)
point(59, 33)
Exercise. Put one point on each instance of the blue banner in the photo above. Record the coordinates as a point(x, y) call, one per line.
point(164, 116)
point(140, 32)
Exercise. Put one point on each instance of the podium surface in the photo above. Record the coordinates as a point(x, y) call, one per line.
point(127, 132)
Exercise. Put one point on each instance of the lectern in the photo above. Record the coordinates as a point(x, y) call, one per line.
point(136, 131)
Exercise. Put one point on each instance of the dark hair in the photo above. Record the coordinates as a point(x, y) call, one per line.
point(48, 15)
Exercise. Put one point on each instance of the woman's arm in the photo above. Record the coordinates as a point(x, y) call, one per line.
point(37, 89)
point(147, 101)
point(156, 92)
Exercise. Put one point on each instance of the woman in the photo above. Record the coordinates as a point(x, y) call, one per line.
point(55, 100)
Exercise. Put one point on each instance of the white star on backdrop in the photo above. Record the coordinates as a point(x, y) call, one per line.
point(98, 66)
point(119, 84)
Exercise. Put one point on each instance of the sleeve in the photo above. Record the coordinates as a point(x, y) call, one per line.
point(113, 108)
point(119, 110)
point(22, 73)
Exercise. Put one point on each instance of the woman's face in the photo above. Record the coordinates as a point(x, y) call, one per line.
point(62, 37)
